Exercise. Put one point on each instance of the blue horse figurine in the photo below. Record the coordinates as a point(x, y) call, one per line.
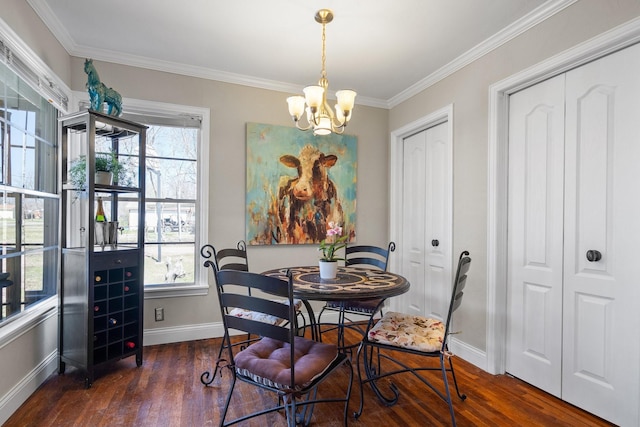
point(99, 93)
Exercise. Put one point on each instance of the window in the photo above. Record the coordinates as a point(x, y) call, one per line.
point(175, 196)
point(29, 209)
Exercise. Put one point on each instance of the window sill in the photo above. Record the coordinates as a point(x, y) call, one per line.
point(161, 291)
point(10, 329)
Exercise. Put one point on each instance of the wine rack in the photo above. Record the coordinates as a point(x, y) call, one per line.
point(102, 286)
point(115, 313)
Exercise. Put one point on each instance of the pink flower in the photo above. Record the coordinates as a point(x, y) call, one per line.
point(331, 244)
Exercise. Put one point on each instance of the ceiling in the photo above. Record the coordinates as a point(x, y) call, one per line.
point(386, 50)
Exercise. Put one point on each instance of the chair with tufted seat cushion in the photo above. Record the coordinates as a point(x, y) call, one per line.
point(236, 259)
point(289, 365)
point(397, 333)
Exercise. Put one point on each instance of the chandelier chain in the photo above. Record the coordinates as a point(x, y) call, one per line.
point(324, 54)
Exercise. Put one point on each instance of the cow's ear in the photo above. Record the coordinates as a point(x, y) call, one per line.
point(329, 160)
point(289, 160)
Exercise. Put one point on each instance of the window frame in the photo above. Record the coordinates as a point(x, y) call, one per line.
point(23, 61)
point(143, 108)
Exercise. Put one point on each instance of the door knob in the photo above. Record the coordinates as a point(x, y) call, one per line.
point(435, 243)
point(593, 255)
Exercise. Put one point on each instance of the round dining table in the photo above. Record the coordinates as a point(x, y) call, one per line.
point(351, 283)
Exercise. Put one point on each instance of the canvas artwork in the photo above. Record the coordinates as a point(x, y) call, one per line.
point(297, 183)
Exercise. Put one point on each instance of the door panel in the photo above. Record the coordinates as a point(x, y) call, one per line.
point(426, 212)
point(536, 164)
point(414, 223)
point(601, 349)
point(437, 211)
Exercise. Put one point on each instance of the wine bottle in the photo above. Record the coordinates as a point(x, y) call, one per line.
point(100, 216)
point(130, 344)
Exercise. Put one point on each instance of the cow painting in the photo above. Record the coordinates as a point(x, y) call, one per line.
point(297, 183)
point(308, 201)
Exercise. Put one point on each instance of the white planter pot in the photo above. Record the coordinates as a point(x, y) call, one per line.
point(104, 178)
point(328, 269)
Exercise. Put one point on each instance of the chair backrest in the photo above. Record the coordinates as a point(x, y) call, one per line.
point(233, 258)
point(232, 287)
point(369, 255)
point(464, 263)
point(226, 259)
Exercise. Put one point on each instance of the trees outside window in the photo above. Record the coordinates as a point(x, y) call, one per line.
point(174, 196)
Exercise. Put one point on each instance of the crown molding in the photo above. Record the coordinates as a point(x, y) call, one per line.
point(518, 27)
point(543, 12)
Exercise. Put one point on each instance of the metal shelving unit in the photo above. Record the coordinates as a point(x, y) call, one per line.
point(102, 285)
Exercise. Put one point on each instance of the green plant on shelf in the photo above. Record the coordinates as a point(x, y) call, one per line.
point(104, 162)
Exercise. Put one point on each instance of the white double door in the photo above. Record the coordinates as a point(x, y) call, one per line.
point(426, 221)
point(574, 223)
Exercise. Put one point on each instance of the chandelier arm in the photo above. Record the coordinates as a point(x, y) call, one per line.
point(309, 126)
point(335, 122)
point(315, 117)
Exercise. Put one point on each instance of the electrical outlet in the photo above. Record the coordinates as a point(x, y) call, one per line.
point(159, 314)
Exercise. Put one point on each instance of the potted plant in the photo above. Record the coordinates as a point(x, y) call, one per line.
point(105, 164)
point(329, 246)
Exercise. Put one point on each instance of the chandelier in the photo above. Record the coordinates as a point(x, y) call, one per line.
point(320, 117)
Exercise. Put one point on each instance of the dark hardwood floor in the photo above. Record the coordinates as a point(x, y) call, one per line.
point(166, 391)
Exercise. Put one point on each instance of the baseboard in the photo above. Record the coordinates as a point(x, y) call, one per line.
point(203, 331)
point(183, 333)
point(468, 353)
point(11, 401)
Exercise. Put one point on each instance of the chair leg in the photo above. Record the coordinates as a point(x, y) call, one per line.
point(320, 314)
point(357, 414)
point(341, 319)
point(348, 397)
point(304, 417)
point(372, 373)
point(207, 378)
point(301, 329)
point(223, 416)
point(443, 369)
point(462, 396)
point(290, 410)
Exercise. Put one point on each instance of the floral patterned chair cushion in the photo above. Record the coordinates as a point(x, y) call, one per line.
point(261, 317)
point(408, 331)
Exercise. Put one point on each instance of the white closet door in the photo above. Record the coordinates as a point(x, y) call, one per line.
point(426, 219)
point(535, 233)
point(414, 223)
point(601, 354)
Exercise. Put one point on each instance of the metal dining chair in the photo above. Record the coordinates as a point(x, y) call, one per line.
point(236, 259)
point(365, 256)
point(398, 333)
point(282, 362)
